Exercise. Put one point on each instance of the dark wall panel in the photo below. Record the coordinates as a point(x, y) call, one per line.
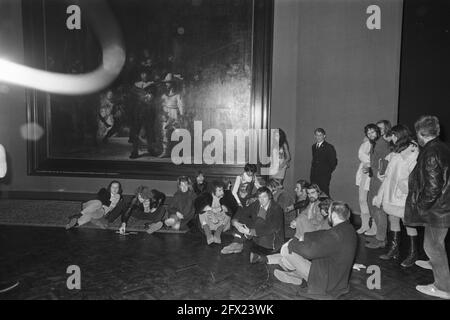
point(425, 63)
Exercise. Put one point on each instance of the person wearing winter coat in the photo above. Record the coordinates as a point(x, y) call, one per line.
point(394, 190)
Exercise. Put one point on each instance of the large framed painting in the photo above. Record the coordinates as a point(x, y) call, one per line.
point(196, 72)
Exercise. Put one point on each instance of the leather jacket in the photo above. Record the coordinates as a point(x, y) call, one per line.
point(428, 201)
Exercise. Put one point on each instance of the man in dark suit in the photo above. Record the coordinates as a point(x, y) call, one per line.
point(324, 161)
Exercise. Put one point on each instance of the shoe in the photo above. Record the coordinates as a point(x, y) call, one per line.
point(285, 268)
point(431, 290)
point(9, 285)
point(169, 222)
point(372, 231)
point(304, 285)
point(134, 155)
point(234, 247)
point(122, 229)
point(375, 244)
point(394, 247)
point(154, 227)
point(425, 264)
point(287, 277)
point(256, 258)
point(72, 224)
point(412, 253)
point(363, 229)
point(364, 223)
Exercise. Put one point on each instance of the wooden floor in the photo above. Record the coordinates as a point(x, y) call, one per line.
point(163, 266)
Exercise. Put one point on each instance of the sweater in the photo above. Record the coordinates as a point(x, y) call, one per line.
point(184, 203)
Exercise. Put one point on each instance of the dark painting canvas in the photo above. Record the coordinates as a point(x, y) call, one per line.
point(188, 63)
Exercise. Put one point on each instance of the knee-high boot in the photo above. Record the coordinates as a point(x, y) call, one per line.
point(394, 247)
point(412, 253)
point(365, 217)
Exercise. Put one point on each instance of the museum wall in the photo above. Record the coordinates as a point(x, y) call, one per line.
point(329, 70)
point(347, 76)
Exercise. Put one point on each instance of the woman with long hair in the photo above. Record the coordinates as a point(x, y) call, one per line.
point(371, 133)
point(280, 155)
point(109, 204)
point(147, 205)
point(394, 190)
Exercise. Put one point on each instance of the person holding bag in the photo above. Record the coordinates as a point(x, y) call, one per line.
point(394, 190)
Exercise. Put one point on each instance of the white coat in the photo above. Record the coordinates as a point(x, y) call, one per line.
point(394, 189)
point(364, 157)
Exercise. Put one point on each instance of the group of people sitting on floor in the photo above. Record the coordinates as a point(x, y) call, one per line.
point(263, 215)
point(402, 183)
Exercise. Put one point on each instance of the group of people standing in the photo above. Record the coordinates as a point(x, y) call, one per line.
point(403, 179)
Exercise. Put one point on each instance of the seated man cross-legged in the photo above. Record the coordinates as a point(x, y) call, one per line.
point(322, 258)
point(311, 214)
point(261, 222)
point(313, 217)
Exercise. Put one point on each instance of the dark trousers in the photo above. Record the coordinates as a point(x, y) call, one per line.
point(434, 246)
point(377, 214)
point(261, 250)
point(241, 238)
point(322, 180)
